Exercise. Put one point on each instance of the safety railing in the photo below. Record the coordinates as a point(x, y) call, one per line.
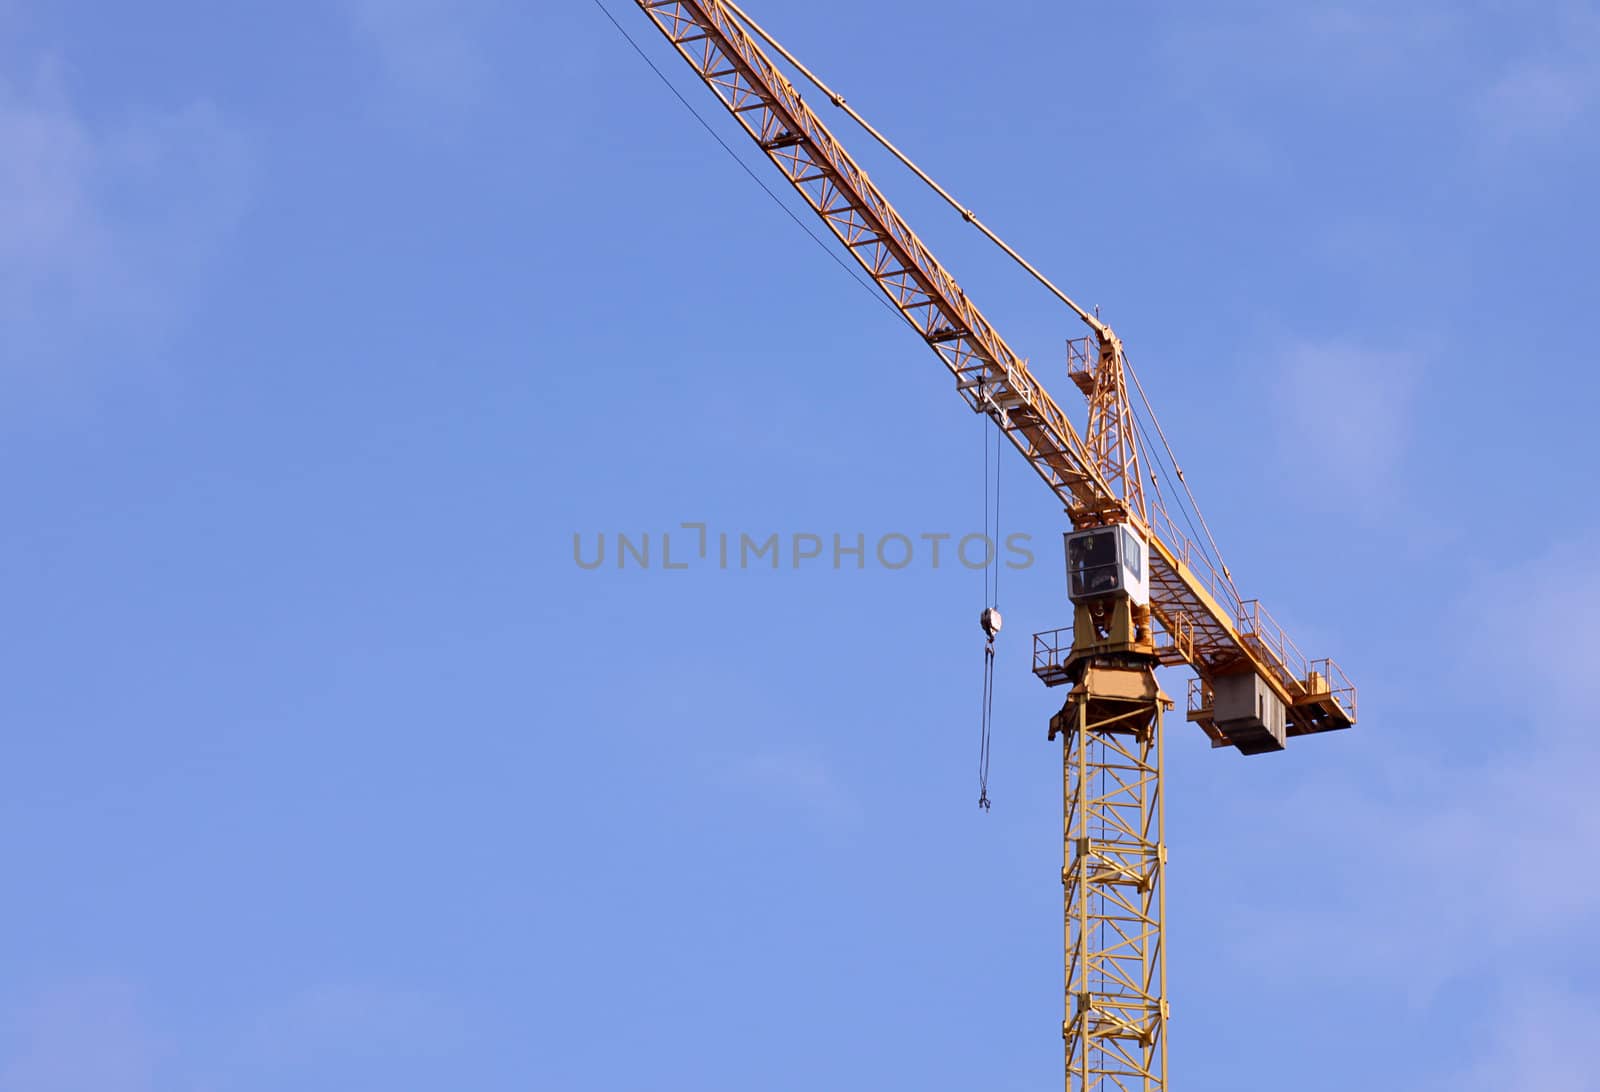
point(1263, 633)
point(1201, 699)
point(1325, 677)
point(1175, 640)
point(1082, 354)
point(1051, 650)
point(1193, 558)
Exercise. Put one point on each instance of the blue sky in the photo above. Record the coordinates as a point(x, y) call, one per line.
point(326, 326)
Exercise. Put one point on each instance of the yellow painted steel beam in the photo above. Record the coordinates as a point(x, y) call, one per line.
point(1113, 876)
point(1194, 603)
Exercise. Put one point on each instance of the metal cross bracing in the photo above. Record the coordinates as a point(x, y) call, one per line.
point(1095, 365)
point(1114, 852)
point(1196, 605)
point(990, 376)
point(1114, 862)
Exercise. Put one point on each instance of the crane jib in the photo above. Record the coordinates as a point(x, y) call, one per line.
point(1206, 624)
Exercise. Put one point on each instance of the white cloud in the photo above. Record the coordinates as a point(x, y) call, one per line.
point(1334, 49)
point(1537, 97)
point(1345, 415)
point(104, 227)
point(1454, 870)
point(355, 1020)
point(1527, 619)
point(1495, 72)
point(81, 1036)
point(424, 46)
point(1545, 1042)
point(96, 1036)
point(789, 780)
point(1545, 91)
point(1457, 872)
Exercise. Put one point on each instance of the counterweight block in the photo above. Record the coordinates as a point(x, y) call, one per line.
point(1249, 714)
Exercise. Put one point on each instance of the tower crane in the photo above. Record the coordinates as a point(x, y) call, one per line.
point(1143, 593)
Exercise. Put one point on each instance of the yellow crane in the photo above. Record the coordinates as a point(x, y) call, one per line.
point(1143, 592)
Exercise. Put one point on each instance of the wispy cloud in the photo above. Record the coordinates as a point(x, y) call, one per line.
point(1459, 870)
point(104, 227)
point(1549, 84)
point(1540, 97)
point(425, 47)
point(1544, 1042)
point(80, 1036)
point(788, 780)
point(1474, 869)
point(1328, 48)
point(1345, 416)
point(346, 1019)
point(1495, 72)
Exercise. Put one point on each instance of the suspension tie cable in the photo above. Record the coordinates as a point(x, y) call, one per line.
point(1154, 420)
point(966, 214)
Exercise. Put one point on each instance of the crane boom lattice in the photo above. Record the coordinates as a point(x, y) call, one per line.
point(1132, 570)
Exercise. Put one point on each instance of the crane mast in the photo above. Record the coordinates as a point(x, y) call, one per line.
point(1144, 594)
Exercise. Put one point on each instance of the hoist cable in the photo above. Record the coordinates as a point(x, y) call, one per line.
point(988, 720)
point(991, 600)
point(983, 432)
point(970, 217)
point(999, 438)
point(988, 644)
